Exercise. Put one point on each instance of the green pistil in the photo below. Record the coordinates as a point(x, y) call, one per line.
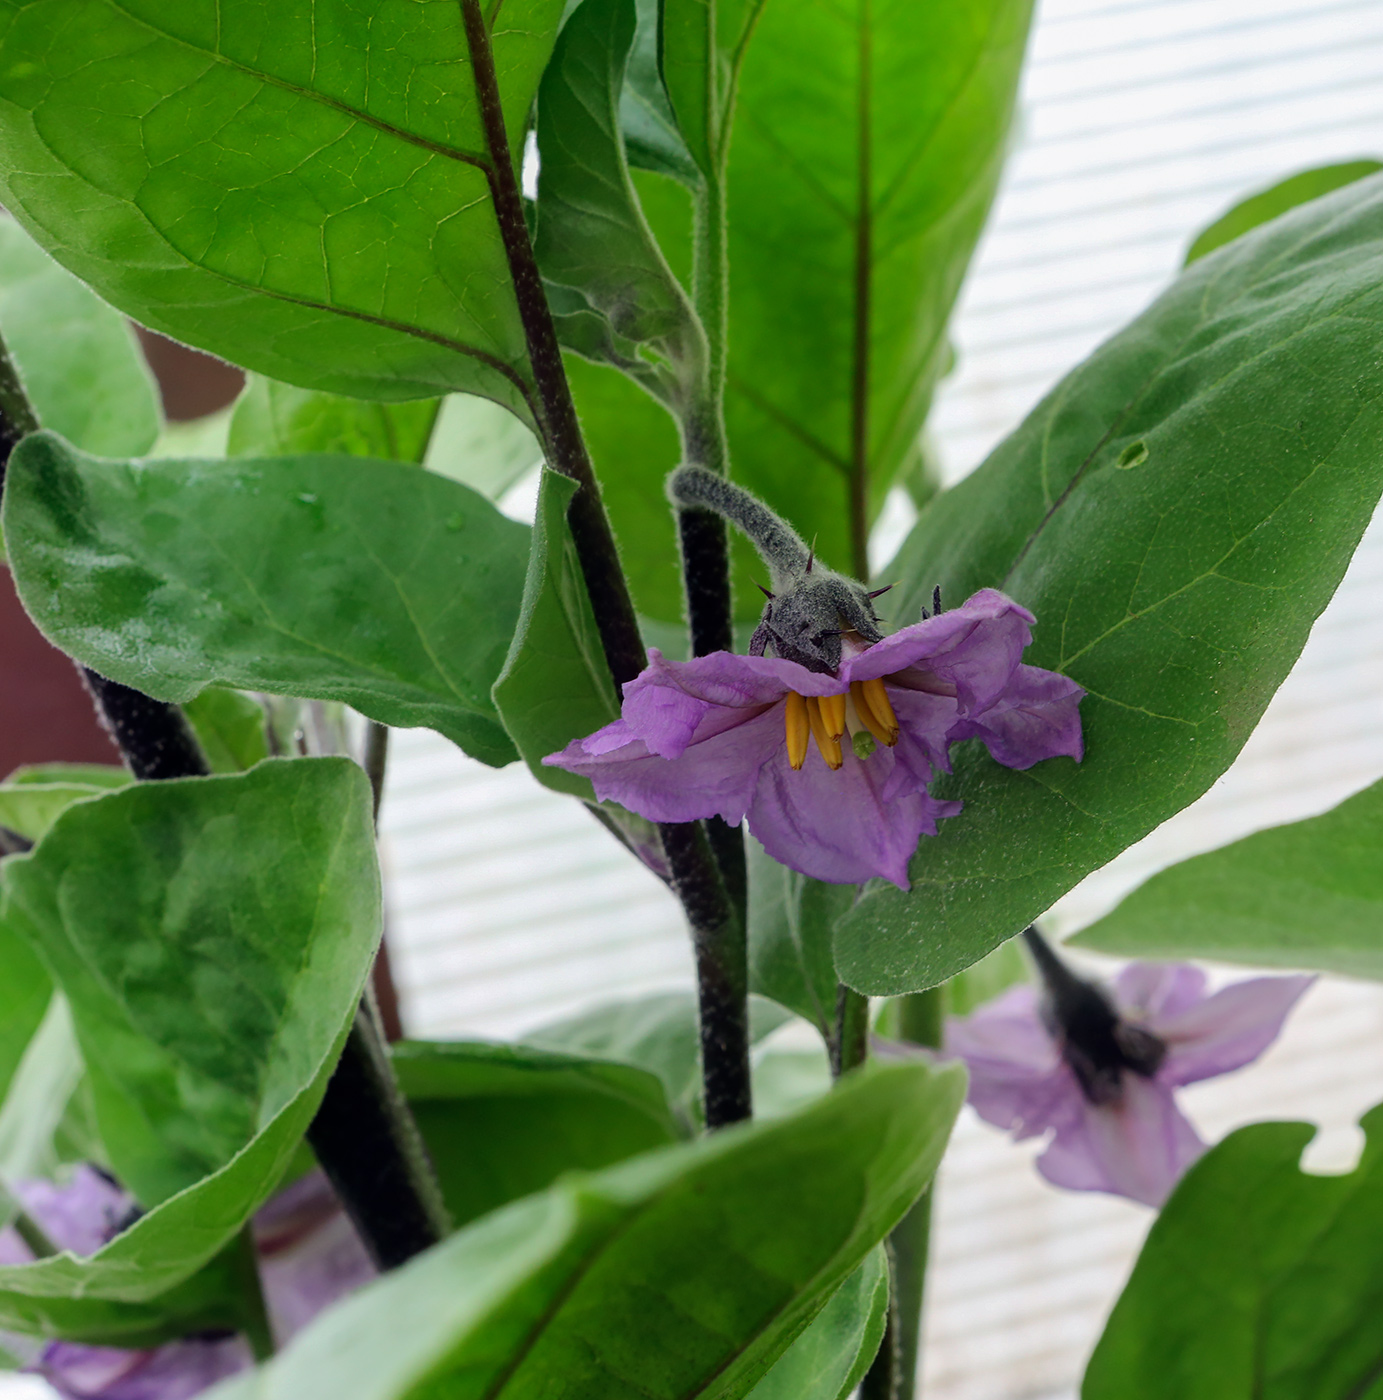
point(863, 744)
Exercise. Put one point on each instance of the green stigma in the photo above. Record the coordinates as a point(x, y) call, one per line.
point(863, 744)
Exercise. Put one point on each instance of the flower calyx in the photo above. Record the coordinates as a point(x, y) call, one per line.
point(1096, 1042)
point(811, 608)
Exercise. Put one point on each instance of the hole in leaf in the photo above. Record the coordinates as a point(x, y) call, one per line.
point(1134, 455)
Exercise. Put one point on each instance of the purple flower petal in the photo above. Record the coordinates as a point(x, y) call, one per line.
point(1036, 717)
point(177, 1371)
point(839, 826)
point(1228, 1030)
point(976, 648)
point(81, 1214)
point(715, 775)
point(1017, 1079)
point(1137, 1147)
point(1149, 990)
point(310, 1255)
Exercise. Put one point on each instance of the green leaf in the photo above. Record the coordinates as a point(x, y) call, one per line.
point(703, 44)
point(105, 776)
point(39, 1095)
point(592, 236)
point(657, 1033)
point(1305, 895)
point(79, 360)
point(791, 919)
point(634, 444)
point(651, 138)
point(230, 727)
point(1255, 1280)
point(504, 1121)
point(272, 419)
point(302, 190)
point(555, 685)
point(481, 445)
point(1176, 513)
point(212, 936)
point(868, 143)
point(830, 1358)
point(25, 992)
point(1278, 199)
point(734, 1243)
point(335, 578)
point(31, 808)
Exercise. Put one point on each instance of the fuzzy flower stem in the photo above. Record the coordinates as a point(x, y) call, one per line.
point(779, 545)
point(850, 1043)
point(722, 972)
point(367, 1128)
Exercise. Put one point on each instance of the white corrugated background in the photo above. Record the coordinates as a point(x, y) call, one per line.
point(1141, 121)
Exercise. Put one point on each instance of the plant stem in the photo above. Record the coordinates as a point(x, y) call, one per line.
point(554, 410)
point(722, 972)
point(375, 761)
point(894, 1374)
point(370, 1145)
point(696, 875)
point(850, 1045)
point(254, 1321)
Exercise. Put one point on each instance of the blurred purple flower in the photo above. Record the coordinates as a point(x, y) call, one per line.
point(1103, 1084)
point(309, 1256)
point(728, 736)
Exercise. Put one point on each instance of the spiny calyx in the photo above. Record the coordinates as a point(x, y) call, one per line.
point(810, 606)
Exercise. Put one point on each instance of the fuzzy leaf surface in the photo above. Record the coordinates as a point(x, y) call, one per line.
point(1309, 894)
point(736, 1242)
point(504, 1121)
point(299, 189)
point(212, 937)
point(1176, 513)
point(1257, 1281)
point(333, 578)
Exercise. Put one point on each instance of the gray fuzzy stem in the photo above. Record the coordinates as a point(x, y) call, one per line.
point(779, 545)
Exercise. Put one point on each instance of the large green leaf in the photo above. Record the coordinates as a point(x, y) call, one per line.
point(1257, 1282)
point(1305, 895)
point(733, 1244)
point(555, 685)
point(1278, 199)
point(336, 578)
point(592, 236)
point(1176, 513)
point(231, 728)
point(830, 1358)
point(300, 189)
point(657, 1032)
point(272, 419)
point(31, 808)
point(38, 1096)
point(25, 991)
point(868, 141)
point(212, 937)
point(78, 358)
point(504, 1121)
point(791, 923)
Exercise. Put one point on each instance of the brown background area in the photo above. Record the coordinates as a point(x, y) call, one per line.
point(46, 715)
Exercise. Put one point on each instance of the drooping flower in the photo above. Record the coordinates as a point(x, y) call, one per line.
point(308, 1254)
point(832, 767)
point(1099, 1071)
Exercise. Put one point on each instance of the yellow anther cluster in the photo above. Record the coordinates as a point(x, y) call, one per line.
point(827, 717)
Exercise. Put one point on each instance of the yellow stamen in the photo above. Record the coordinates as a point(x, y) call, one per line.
point(825, 740)
point(875, 710)
point(833, 712)
point(798, 727)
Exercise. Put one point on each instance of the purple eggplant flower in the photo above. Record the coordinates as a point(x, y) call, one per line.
point(309, 1256)
point(1113, 1117)
point(731, 736)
